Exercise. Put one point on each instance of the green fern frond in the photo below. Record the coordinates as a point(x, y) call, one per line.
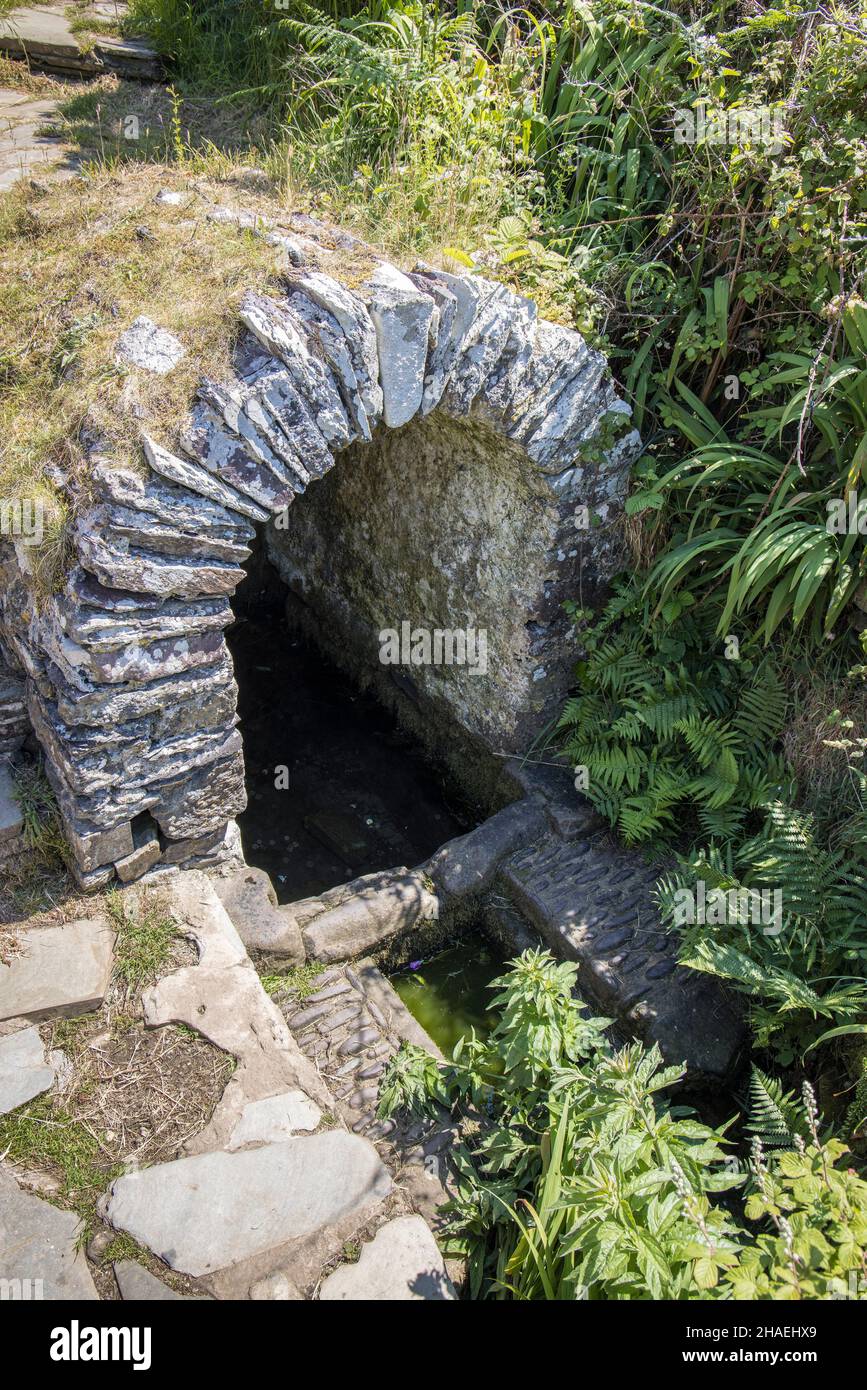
point(774, 1117)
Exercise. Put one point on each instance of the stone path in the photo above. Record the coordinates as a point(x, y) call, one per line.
point(39, 1245)
point(43, 35)
point(267, 1197)
point(25, 1071)
point(58, 971)
point(350, 1028)
point(26, 149)
point(402, 1262)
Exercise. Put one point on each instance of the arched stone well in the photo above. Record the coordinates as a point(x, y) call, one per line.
point(468, 437)
point(465, 464)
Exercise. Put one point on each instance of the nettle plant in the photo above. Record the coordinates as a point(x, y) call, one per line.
point(576, 1176)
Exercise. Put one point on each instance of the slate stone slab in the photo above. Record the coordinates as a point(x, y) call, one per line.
point(138, 1285)
point(401, 1264)
point(61, 971)
point(203, 1213)
point(401, 315)
point(44, 36)
point(28, 145)
point(249, 898)
point(591, 901)
point(276, 1118)
point(38, 1242)
point(24, 1072)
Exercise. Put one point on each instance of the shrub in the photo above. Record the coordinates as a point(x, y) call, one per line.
point(577, 1175)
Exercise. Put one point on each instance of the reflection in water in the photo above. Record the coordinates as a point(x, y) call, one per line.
point(449, 994)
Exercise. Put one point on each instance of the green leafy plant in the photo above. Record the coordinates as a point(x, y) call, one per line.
point(776, 532)
point(817, 1211)
point(804, 969)
point(577, 1176)
point(672, 734)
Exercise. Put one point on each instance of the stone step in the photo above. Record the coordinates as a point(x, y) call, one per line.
point(591, 900)
point(401, 1264)
point(44, 37)
point(373, 909)
point(40, 1247)
point(248, 896)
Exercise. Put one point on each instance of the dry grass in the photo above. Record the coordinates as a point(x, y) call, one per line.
point(816, 709)
point(77, 266)
point(141, 1092)
point(80, 259)
point(14, 73)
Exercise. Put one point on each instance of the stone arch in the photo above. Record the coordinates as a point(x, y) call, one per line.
point(130, 687)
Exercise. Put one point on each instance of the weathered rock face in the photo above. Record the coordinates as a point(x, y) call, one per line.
point(474, 441)
point(444, 526)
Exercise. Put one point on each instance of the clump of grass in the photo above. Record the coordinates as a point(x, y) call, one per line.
point(43, 1135)
point(14, 73)
point(70, 1034)
point(146, 939)
point(124, 1247)
point(87, 26)
point(300, 980)
point(43, 836)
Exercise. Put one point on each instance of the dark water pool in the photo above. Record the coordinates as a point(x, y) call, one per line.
point(358, 795)
point(449, 993)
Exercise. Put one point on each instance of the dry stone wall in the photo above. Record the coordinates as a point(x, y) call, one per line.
point(129, 685)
